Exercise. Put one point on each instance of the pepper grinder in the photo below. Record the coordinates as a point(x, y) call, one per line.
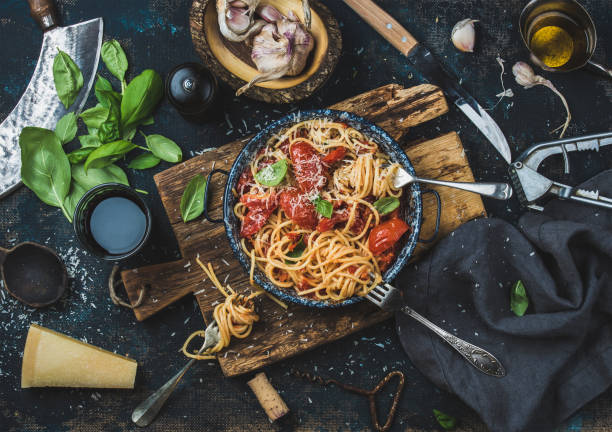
point(193, 90)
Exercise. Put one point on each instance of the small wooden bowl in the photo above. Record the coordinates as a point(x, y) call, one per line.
point(231, 61)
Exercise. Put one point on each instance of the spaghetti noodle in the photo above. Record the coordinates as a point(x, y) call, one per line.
point(318, 213)
point(234, 317)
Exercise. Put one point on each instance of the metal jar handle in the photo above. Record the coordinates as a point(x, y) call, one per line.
point(206, 194)
point(438, 216)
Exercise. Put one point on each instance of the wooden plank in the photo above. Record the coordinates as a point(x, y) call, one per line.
point(298, 329)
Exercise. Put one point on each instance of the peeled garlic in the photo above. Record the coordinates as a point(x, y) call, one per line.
point(464, 35)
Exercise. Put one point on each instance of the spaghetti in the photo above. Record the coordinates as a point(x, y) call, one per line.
point(318, 211)
point(234, 317)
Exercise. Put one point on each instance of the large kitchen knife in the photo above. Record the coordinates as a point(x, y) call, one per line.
point(39, 105)
point(432, 70)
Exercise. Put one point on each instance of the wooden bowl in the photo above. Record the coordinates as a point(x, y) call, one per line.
point(231, 61)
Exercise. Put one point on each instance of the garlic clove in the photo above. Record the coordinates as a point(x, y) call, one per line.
point(238, 20)
point(463, 35)
point(269, 13)
point(523, 74)
point(239, 4)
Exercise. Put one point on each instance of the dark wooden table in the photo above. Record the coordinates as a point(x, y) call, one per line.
point(155, 34)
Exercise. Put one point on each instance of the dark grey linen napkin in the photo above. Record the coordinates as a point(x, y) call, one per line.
point(558, 356)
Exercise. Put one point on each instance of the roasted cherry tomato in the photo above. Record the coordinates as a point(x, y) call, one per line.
point(307, 167)
point(338, 216)
point(267, 201)
point(253, 221)
point(361, 218)
point(335, 155)
point(384, 236)
point(245, 181)
point(298, 208)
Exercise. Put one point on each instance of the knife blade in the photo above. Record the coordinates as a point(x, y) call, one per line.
point(39, 105)
point(432, 70)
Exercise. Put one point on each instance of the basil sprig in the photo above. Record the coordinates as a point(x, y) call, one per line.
point(67, 77)
point(386, 205)
point(446, 421)
point(273, 174)
point(519, 302)
point(111, 125)
point(45, 168)
point(192, 201)
point(323, 207)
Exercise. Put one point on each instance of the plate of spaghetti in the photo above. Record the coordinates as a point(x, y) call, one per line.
point(311, 212)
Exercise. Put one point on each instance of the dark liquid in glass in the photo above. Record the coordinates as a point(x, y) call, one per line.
point(117, 224)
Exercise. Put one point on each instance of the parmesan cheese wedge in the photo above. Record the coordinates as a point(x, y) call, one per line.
point(51, 359)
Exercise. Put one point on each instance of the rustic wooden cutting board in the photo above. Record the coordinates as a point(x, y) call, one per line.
point(283, 333)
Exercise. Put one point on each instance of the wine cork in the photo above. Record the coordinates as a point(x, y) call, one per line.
point(268, 397)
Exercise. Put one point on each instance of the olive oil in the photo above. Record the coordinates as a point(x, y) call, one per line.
point(557, 40)
point(117, 225)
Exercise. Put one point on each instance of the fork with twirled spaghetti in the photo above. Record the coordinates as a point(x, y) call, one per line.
point(389, 298)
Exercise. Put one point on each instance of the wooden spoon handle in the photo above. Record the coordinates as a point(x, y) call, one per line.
point(44, 13)
point(384, 24)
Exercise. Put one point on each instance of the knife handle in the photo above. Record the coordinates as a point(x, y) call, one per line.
point(44, 13)
point(384, 24)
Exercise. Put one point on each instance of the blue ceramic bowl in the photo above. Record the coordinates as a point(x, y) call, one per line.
point(412, 206)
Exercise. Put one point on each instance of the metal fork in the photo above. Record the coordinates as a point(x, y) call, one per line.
point(145, 413)
point(389, 298)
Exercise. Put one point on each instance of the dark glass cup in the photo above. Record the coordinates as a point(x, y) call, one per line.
point(112, 221)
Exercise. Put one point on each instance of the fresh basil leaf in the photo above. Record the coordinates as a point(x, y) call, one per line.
point(109, 130)
point(110, 99)
point(148, 121)
point(79, 155)
point(67, 77)
point(90, 141)
point(140, 98)
point(446, 421)
point(144, 161)
point(386, 205)
point(323, 207)
point(66, 128)
point(76, 193)
point(114, 58)
point(94, 117)
point(297, 251)
point(192, 201)
point(164, 148)
point(102, 88)
point(108, 153)
point(273, 174)
point(96, 176)
point(519, 302)
point(45, 169)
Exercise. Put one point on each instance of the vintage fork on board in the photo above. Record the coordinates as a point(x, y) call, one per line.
point(145, 413)
point(389, 298)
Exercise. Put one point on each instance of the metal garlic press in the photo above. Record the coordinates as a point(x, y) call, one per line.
point(530, 185)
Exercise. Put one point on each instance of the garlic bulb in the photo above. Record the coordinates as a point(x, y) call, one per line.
point(281, 48)
point(464, 35)
point(237, 19)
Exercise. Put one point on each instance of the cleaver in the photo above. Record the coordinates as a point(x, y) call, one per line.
point(39, 106)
